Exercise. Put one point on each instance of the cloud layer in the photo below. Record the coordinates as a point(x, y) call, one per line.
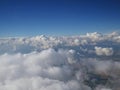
point(83, 62)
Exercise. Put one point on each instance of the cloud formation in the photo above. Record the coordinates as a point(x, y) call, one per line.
point(46, 70)
point(83, 62)
point(104, 51)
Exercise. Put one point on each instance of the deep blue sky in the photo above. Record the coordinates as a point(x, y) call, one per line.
point(58, 17)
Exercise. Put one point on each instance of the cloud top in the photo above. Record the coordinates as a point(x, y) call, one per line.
point(84, 62)
point(104, 51)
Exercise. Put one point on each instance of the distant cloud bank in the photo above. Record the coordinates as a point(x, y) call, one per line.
point(85, 62)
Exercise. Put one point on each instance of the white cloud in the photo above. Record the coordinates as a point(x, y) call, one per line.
point(103, 51)
point(60, 63)
point(50, 69)
point(94, 36)
point(46, 70)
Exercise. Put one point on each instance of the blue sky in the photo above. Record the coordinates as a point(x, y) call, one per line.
point(58, 17)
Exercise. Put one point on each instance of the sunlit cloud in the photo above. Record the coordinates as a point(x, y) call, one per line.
point(84, 62)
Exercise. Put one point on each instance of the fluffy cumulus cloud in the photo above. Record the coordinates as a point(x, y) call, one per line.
point(104, 51)
point(85, 62)
point(46, 70)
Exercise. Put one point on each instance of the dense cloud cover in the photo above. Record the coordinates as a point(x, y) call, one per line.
point(85, 62)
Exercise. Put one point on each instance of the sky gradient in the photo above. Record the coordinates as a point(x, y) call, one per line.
point(58, 17)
